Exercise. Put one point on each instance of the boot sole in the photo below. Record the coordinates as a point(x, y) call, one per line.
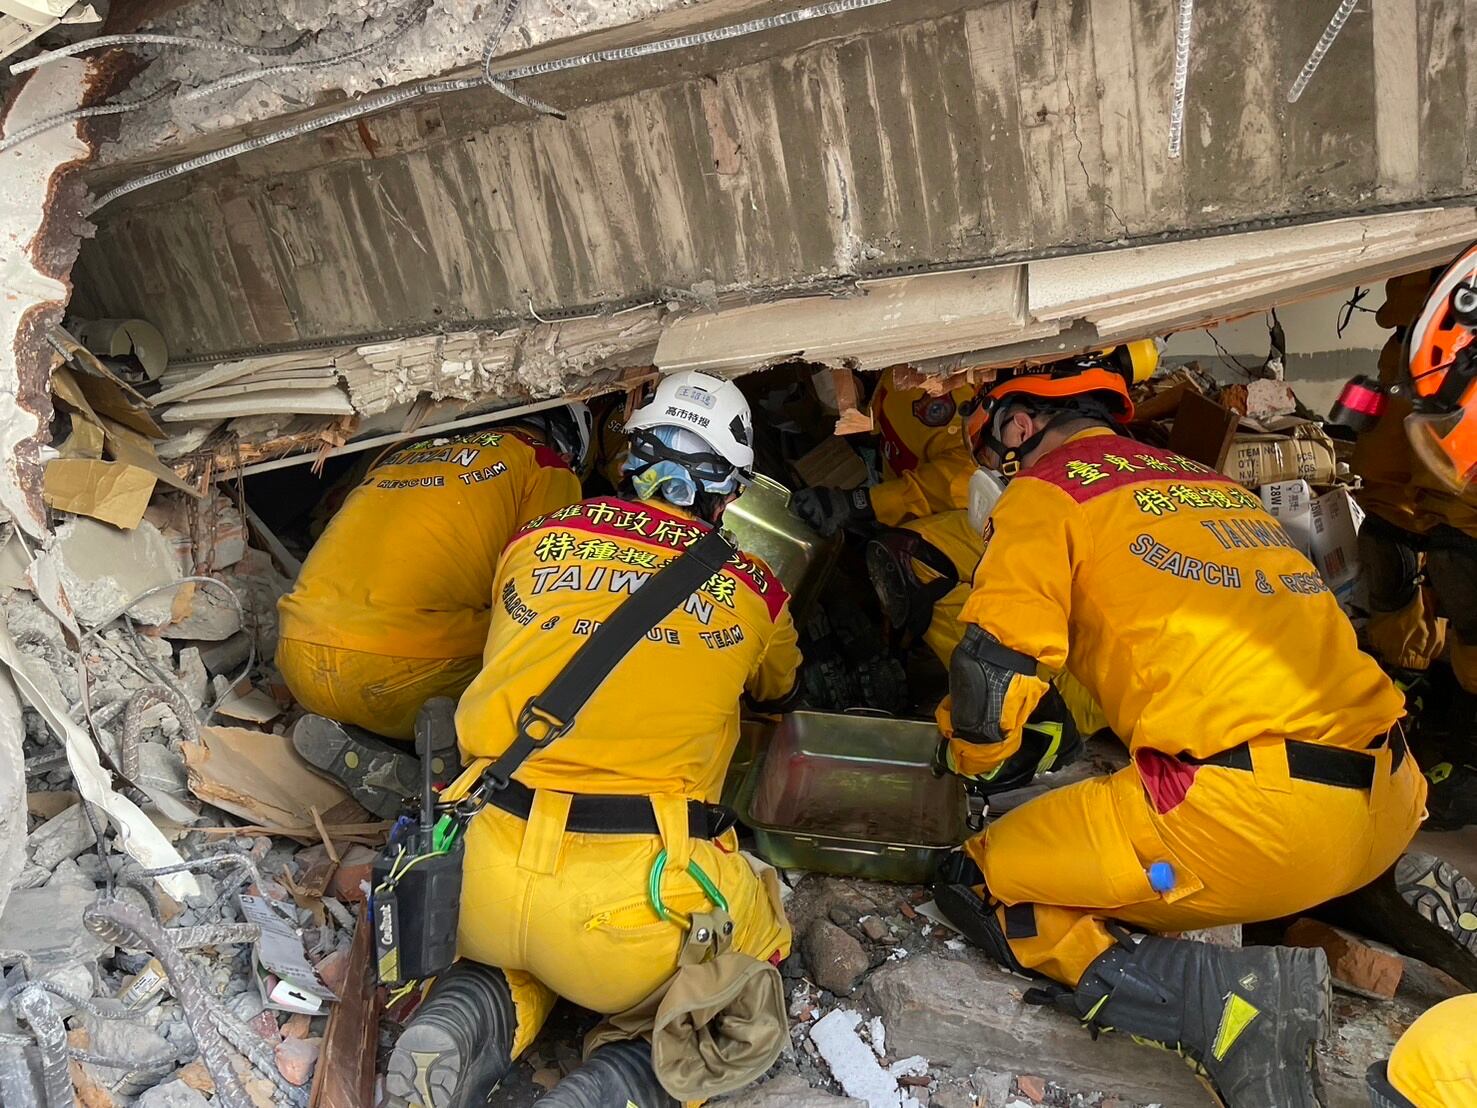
point(1442, 896)
point(1302, 975)
point(348, 761)
point(425, 1069)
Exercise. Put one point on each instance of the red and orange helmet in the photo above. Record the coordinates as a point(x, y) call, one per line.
point(1095, 383)
point(1442, 361)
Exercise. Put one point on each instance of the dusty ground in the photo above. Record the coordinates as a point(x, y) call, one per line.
point(938, 998)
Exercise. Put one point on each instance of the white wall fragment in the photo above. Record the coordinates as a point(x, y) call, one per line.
point(852, 1062)
point(136, 832)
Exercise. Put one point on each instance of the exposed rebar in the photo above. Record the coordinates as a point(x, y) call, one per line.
point(103, 42)
point(35, 1007)
point(403, 21)
point(121, 924)
point(41, 126)
point(1315, 59)
point(1181, 76)
point(394, 97)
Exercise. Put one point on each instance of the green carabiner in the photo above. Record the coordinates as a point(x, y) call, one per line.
point(695, 871)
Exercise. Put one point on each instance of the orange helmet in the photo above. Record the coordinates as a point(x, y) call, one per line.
point(1093, 384)
point(1443, 375)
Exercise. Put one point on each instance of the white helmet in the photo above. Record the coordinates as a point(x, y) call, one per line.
point(570, 430)
point(711, 408)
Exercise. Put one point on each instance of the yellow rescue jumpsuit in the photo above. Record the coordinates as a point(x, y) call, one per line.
point(1434, 1065)
point(926, 463)
point(952, 535)
point(391, 607)
point(1399, 489)
point(566, 913)
point(1198, 627)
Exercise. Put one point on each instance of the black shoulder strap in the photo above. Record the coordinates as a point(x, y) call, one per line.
point(550, 714)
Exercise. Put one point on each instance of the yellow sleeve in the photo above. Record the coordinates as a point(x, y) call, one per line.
point(939, 484)
point(1023, 584)
point(774, 677)
point(1022, 596)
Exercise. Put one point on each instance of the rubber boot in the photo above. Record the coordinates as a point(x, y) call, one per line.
point(379, 773)
point(957, 892)
point(616, 1074)
point(1451, 797)
point(1247, 1020)
point(457, 1046)
point(1423, 907)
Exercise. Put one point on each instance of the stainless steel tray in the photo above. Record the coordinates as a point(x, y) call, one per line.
point(853, 796)
point(763, 524)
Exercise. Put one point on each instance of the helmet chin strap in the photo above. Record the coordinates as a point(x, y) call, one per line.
point(1012, 458)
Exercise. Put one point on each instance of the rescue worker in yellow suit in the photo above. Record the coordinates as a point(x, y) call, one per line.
point(391, 607)
point(925, 464)
point(1418, 555)
point(558, 880)
point(1268, 772)
point(1434, 1065)
point(921, 572)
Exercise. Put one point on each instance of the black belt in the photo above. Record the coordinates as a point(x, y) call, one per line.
point(616, 815)
point(1326, 765)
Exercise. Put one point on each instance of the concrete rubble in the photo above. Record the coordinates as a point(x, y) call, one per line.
point(151, 809)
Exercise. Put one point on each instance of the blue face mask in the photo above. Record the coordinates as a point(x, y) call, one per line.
point(666, 480)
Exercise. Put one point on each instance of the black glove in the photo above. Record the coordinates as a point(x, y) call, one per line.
point(828, 510)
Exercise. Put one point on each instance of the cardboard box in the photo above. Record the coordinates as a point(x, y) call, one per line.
point(1291, 504)
point(1306, 454)
point(1336, 522)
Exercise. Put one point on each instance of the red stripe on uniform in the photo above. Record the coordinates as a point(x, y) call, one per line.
point(1101, 463)
point(542, 454)
point(899, 457)
point(613, 518)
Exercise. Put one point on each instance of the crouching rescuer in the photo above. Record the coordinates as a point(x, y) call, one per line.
point(392, 605)
point(597, 864)
point(1269, 773)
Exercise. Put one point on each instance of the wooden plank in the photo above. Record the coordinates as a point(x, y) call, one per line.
point(1080, 125)
point(957, 115)
point(252, 254)
point(344, 1077)
point(1330, 132)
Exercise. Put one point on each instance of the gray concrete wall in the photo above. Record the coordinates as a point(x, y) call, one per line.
point(916, 134)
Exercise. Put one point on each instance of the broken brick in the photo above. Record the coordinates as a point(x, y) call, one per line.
point(1354, 965)
point(296, 1059)
point(333, 970)
point(353, 872)
point(1032, 1087)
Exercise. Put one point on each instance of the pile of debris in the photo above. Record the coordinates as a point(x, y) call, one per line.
point(891, 1009)
point(175, 927)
